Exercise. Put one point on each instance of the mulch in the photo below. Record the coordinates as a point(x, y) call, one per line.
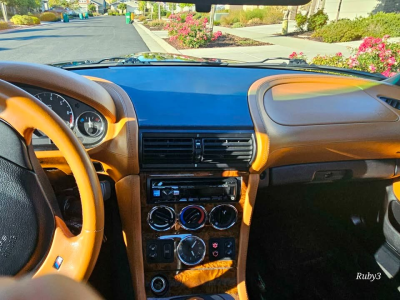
point(153, 28)
point(226, 40)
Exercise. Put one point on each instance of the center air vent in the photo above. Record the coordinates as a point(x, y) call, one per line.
point(392, 102)
point(227, 150)
point(203, 150)
point(167, 150)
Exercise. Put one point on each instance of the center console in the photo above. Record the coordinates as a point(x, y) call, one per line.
point(191, 232)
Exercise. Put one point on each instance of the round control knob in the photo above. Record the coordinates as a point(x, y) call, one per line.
point(161, 218)
point(223, 216)
point(193, 217)
point(159, 285)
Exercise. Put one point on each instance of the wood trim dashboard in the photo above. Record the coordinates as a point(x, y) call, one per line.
point(225, 276)
point(364, 129)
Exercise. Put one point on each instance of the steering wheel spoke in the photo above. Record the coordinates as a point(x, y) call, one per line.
point(70, 255)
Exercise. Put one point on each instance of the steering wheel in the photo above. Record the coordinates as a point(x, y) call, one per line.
point(33, 236)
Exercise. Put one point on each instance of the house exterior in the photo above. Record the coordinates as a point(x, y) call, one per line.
point(351, 9)
point(100, 5)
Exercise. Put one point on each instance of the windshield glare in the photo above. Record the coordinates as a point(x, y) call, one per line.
point(356, 36)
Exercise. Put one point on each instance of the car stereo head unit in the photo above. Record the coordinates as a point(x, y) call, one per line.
point(174, 190)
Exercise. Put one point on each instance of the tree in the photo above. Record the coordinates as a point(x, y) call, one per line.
point(142, 6)
point(172, 7)
point(183, 5)
point(54, 3)
point(122, 6)
point(22, 6)
point(92, 7)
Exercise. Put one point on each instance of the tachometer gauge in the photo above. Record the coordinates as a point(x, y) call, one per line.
point(191, 250)
point(59, 105)
point(90, 124)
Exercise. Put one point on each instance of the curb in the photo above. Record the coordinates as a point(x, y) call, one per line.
point(152, 41)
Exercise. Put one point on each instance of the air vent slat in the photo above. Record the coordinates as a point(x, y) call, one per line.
point(167, 150)
point(227, 150)
point(392, 102)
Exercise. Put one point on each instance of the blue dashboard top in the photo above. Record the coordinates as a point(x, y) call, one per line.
point(201, 97)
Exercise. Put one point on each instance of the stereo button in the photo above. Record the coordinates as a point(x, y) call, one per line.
point(167, 251)
point(205, 199)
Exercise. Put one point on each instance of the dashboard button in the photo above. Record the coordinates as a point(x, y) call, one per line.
point(167, 251)
point(205, 199)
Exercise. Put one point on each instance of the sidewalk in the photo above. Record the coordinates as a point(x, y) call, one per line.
point(282, 46)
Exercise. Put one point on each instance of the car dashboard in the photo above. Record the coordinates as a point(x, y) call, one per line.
point(188, 148)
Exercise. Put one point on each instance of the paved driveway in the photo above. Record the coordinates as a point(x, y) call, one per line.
point(93, 38)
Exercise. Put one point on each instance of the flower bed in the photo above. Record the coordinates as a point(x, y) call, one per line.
point(190, 32)
point(226, 40)
point(374, 55)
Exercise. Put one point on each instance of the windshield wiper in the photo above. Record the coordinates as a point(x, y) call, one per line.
point(290, 61)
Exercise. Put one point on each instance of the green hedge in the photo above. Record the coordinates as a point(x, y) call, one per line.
point(49, 17)
point(24, 20)
point(267, 15)
point(346, 30)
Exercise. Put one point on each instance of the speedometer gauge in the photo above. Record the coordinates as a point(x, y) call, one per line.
point(59, 105)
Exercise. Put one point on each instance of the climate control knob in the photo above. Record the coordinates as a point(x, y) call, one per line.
point(193, 217)
point(223, 216)
point(161, 218)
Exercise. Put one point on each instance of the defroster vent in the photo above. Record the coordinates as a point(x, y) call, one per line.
point(227, 150)
point(167, 150)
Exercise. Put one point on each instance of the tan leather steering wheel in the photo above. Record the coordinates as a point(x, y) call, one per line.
point(79, 253)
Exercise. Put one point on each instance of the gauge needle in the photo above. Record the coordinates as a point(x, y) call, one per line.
point(90, 124)
point(194, 243)
point(192, 252)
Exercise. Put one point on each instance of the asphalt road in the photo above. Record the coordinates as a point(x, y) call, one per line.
point(93, 38)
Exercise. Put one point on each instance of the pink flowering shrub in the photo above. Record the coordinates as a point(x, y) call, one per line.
point(377, 56)
point(190, 32)
point(299, 55)
point(374, 55)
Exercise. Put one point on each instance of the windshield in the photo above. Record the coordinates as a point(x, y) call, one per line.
point(354, 36)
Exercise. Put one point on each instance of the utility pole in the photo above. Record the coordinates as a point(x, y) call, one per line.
point(3, 8)
point(338, 10)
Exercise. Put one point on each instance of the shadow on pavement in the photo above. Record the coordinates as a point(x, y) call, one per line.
point(27, 38)
point(24, 30)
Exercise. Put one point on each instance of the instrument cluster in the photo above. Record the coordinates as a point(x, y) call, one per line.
point(87, 123)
